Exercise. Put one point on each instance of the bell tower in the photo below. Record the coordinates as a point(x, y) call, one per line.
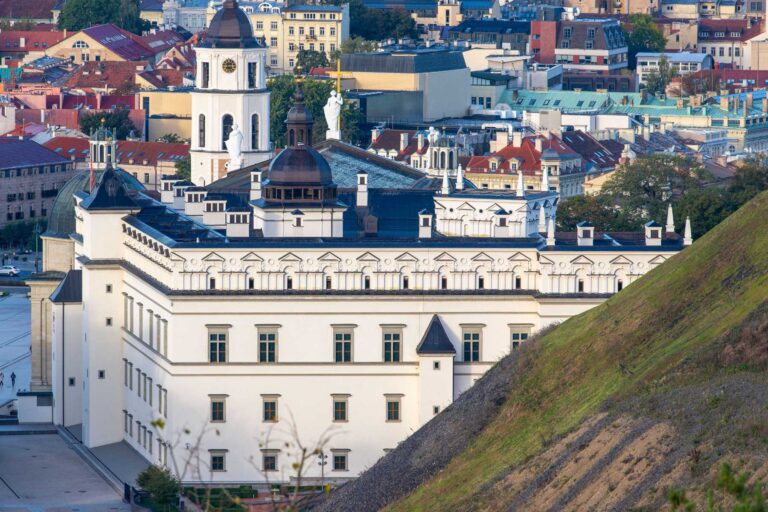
point(230, 95)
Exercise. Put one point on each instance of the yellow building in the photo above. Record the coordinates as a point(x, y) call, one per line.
point(167, 112)
point(288, 30)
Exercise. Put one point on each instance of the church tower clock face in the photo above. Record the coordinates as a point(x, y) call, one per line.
point(229, 66)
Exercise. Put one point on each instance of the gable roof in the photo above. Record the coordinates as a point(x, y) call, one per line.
point(105, 74)
point(435, 339)
point(110, 194)
point(70, 289)
point(127, 150)
point(29, 40)
point(123, 43)
point(22, 153)
point(27, 10)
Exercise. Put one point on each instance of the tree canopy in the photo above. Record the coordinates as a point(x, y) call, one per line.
point(316, 93)
point(378, 24)
point(117, 121)
point(80, 14)
point(642, 190)
point(308, 59)
point(658, 80)
point(644, 36)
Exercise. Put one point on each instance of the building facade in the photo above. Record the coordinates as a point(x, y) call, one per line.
point(294, 305)
point(31, 177)
point(231, 95)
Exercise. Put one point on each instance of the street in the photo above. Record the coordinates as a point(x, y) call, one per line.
point(14, 342)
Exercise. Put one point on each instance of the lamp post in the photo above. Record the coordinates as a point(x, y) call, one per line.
point(322, 460)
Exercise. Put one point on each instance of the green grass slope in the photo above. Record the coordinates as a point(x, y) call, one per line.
point(628, 346)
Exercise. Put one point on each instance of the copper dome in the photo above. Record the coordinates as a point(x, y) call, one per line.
point(300, 166)
point(230, 28)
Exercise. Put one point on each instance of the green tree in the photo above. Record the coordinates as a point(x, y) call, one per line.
point(596, 209)
point(701, 82)
point(5, 24)
point(184, 168)
point(162, 486)
point(378, 24)
point(707, 207)
point(80, 14)
point(642, 189)
point(316, 93)
point(750, 179)
point(117, 121)
point(657, 80)
point(644, 36)
point(308, 59)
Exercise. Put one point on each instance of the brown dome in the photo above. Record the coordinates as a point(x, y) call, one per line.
point(230, 28)
point(302, 166)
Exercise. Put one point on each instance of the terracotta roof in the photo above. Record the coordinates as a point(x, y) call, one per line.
point(28, 40)
point(389, 140)
point(528, 158)
point(109, 74)
point(138, 151)
point(123, 43)
point(181, 56)
point(29, 9)
point(162, 78)
point(745, 29)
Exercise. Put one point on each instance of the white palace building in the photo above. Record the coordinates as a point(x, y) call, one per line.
point(319, 291)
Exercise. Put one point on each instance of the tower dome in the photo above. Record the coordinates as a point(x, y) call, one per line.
point(300, 173)
point(231, 28)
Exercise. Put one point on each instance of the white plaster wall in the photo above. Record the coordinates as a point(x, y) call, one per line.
point(67, 349)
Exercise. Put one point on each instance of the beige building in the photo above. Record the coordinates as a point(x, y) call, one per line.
point(414, 85)
point(101, 43)
point(287, 30)
point(167, 112)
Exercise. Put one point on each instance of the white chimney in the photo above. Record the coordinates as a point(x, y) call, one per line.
point(460, 178)
point(517, 139)
point(362, 189)
point(420, 143)
point(542, 218)
point(403, 141)
point(425, 224)
point(539, 144)
point(520, 184)
point(551, 232)
point(653, 234)
point(585, 234)
point(687, 235)
point(446, 188)
point(256, 184)
point(670, 220)
point(544, 178)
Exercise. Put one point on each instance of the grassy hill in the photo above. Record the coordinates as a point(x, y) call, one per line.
point(652, 390)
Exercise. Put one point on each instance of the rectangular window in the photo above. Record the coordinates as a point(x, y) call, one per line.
point(206, 78)
point(218, 461)
point(471, 345)
point(392, 346)
point(339, 461)
point(217, 347)
point(270, 409)
point(130, 376)
point(340, 405)
point(251, 75)
point(393, 408)
point(269, 461)
point(125, 372)
point(518, 335)
point(267, 346)
point(150, 391)
point(217, 408)
point(342, 346)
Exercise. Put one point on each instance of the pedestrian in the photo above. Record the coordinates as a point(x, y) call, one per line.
point(2, 380)
point(13, 380)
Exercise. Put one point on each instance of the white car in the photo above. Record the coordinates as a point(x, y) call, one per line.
point(8, 270)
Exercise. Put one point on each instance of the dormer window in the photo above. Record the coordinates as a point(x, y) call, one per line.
point(503, 222)
point(587, 233)
point(655, 233)
point(298, 222)
point(494, 165)
point(567, 32)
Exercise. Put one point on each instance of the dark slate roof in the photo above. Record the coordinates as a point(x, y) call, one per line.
point(408, 5)
point(15, 153)
point(416, 61)
point(70, 290)
point(61, 217)
point(608, 33)
point(110, 194)
point(435, 340)
point(493, 26)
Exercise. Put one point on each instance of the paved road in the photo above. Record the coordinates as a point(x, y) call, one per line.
point(14, 344)
point(40, 473)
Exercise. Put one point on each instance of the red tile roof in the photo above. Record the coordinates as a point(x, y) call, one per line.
point(529, 159)
point(17, 41)
point(745, 28)
point(162, 78)
point(591, 150)
point(105, 74)
point(138, 151)
point(389, 140)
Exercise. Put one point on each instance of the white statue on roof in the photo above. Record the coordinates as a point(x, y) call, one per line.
point(234, 147)
point(332, 111)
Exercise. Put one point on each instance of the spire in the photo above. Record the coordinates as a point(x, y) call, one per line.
point(542, 218)
point(460, 178)
point(687, 237)
point(670, 219)
point(446, 189)
point(551, 232)
point(545, 179)
point(520, 184)
point(299, 120)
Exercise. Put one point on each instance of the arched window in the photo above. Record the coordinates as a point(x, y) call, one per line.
point(450, 160)
point(255, 131)
point(80, 44)
point(226, 128)
point(301, 137)
point(291, 140)
point(101, 153)
point(201, 131)
point(442, 160)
